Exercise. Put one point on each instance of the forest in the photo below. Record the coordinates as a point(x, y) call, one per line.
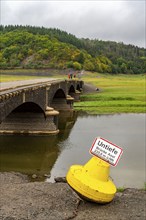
point(31, 47)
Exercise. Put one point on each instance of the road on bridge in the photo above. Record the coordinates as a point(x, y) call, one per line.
point(5, 86)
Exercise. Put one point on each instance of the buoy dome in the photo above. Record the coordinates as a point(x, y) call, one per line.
point(92, 180)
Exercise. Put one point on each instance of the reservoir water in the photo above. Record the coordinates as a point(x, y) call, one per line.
point(50, 157)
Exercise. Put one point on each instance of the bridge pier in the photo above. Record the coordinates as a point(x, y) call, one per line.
point(76, 95)
point(70, 101)
point(52, 120)
point(63, 103)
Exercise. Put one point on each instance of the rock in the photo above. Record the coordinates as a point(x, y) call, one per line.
point(47, 175)
point(34, 176)
point(60, 179)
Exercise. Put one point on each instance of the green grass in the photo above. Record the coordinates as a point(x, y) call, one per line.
point(26, 74)
point(118, 94)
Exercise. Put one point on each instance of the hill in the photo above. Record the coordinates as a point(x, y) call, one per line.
point(39, 47)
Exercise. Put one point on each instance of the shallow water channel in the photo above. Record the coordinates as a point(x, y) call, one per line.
point(50, 157)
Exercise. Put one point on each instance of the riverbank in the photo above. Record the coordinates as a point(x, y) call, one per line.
point(21, 199)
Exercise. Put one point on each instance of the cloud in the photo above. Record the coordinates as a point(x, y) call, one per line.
point(122, 21)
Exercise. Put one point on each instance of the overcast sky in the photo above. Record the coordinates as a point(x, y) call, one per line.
point(120, 21)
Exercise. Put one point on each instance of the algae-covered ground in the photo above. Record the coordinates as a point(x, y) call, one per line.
point(114, 94)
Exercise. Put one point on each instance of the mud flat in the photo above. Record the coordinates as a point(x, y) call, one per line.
point(21, 200)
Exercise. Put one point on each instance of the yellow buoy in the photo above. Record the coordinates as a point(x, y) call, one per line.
point(92, 180)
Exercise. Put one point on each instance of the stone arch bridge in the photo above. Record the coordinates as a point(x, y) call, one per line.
point(32, 107)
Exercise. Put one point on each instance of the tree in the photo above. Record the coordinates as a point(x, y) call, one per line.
point(52, 47)
point(88, 65)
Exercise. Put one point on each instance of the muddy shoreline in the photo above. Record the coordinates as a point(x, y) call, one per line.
point(24, 200)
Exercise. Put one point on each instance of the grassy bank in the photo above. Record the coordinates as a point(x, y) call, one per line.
point(118, 94)
point(8, 78)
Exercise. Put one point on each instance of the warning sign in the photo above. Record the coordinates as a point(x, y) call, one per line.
point(107, 151)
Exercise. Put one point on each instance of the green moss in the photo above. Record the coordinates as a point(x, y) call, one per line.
point(120, 189)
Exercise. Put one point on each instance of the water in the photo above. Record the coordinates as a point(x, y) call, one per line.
point(54, 155)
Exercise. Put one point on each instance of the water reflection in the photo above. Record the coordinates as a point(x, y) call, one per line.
point(54, 155)
point(34, 154)
point(30, 155)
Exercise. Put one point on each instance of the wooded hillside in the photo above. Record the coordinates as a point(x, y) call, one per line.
point(39, 47)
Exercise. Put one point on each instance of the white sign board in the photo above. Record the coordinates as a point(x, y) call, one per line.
point(106, 151)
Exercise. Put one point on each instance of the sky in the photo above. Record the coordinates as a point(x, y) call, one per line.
point(114, 20)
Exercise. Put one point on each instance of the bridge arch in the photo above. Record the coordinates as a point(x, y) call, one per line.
point(79, 88)
point(59, 94)
point(71, 90)
point(26, 111)
point(74, 91)
point(28, 107)
point(59, 100)
point(26, 118)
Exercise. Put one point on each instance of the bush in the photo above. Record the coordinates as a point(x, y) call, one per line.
point(77, 66)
